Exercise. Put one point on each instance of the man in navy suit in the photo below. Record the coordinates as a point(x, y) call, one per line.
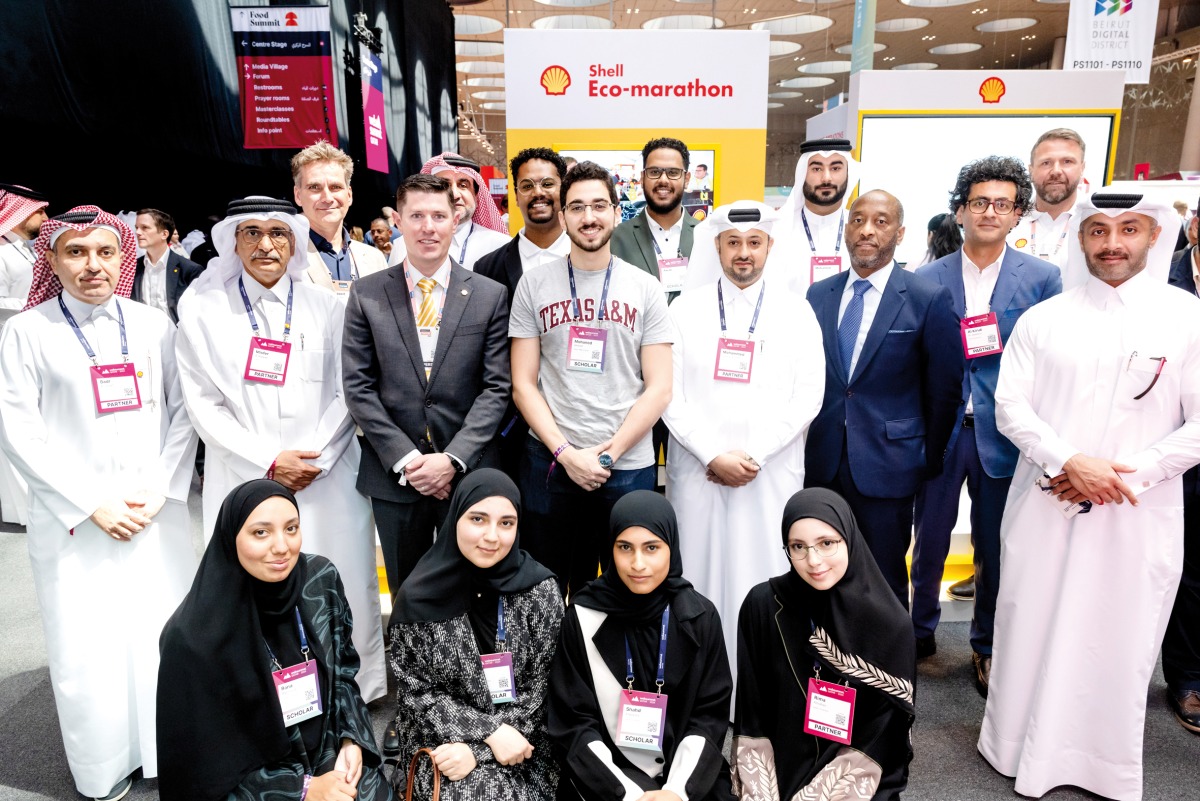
point(1181, 645)
point(893, 375)
point(162, 274)
point(992, 285)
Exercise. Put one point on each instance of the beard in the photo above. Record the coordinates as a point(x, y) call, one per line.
point(1053, 195)
point(589, 247)
point(1108, 273)
point(664, 208)
point(810, 194)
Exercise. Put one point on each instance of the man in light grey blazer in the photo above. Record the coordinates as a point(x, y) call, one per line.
point(426, 375)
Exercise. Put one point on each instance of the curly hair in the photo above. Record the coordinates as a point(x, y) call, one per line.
point(670, 144)
point(587, 171)
point(992, 168)
point(540, 154)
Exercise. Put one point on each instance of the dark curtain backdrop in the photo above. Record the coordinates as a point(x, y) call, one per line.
point(133, 103)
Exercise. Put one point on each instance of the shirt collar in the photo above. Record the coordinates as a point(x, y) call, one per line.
point(749, 294)
point(441, 276)
point(161, 264)
point(255, 290)
point(676, 227)
point(966, 260)
point(529, 249)
point(323, 244)
point(878, 279)
point(1129, 294)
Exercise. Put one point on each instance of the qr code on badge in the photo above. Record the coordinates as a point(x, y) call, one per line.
point(503, 683)
point(310, 696)
point(839, 719)
point(652, 727)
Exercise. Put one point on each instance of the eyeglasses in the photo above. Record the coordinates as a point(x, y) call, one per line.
point(526, 187)
point(599, 207)
point(252, 236)
point(798, 552)
point(980, 205)
point(654, 173)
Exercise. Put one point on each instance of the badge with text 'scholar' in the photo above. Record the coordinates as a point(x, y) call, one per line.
point(555, 80)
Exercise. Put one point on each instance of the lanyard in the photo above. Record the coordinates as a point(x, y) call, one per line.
point(462, 254)
point(287, 320)
point(83, 340)
point(654, 242)
point(575, 307)
point(303, 643)
point(757, 306)
point(1061, 239)
point(662, 654)
point(412, 290)
point(808, 232)
point(500, 630)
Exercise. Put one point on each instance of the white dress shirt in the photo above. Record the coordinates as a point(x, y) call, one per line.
point(154, 281)
point(978, 287)
point(534, 256)
point(871, 300)
point(667, 239)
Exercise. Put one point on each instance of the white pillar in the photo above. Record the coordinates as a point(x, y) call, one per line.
point(1060, 49)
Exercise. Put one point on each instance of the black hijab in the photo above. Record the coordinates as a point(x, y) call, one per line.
point(218, 717)
point(444, 582)
point(860, 613)
point(608, 593)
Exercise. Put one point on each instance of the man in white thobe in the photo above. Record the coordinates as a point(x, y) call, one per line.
point(275, 408)
point(749, 377)
point(1100, 390)
point(809, 235)
point(92, 417)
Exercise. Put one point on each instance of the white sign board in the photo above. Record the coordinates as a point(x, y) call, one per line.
point(1112, 35)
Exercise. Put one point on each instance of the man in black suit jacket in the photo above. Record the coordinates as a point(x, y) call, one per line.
point(885, 421)
point(537, 173)
point(426, 375)
point(1181, 645)
point(162, 274)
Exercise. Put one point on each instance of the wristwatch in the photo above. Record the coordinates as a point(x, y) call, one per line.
point(606, 461)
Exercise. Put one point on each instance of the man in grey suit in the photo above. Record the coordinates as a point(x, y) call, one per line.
point(426, 375)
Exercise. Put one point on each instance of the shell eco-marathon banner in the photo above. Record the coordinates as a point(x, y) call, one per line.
point(285, 75)
point(1112, 35)
point(603, 94)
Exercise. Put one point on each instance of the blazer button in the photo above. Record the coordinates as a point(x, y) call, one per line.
point(849, 393)
point(428, 403)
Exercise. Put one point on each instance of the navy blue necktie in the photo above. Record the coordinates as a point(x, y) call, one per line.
point(851, 322)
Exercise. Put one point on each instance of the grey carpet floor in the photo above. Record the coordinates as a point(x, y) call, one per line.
point(946, 767)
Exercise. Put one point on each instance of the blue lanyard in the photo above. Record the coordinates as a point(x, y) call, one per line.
point(462, 254)
point(657, 249)
point(500, 630)
point(575, 307)
point(813, 245)
point(757, 306)
point(303, 643)
point(662, 654)
point(83, 340)
point(287, 320)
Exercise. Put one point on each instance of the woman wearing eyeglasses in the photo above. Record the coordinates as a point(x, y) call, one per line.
point(825, 668)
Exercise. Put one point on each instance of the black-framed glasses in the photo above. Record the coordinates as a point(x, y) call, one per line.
point(252, 236)
point(599, 207)
point(654, 173)
point(526, 187)
point(798, 552)
point(1002, 205)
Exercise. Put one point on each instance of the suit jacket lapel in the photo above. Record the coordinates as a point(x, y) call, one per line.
point(397, 294)
point(457, 294)
point(685, 238)
point(645, 240)
point(1011, 270)
point(885, 315)
point(828, 318)
point(950, 276)
point(513, 266)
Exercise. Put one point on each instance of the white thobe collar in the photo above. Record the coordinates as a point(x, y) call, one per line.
point(732, 293)
point(816, 219)
point(1134, 293)
point(82, 312)
point(255, 290)
point(530, 250)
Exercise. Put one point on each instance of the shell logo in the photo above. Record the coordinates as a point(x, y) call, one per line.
point(1020, 243)
point(991, 90)
point(555, 80)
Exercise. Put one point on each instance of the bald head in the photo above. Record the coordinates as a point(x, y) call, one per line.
point(874, 228)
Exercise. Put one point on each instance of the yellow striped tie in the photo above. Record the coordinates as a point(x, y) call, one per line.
point(426, 316)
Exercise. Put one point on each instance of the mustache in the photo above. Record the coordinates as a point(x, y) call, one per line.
point(262, 254)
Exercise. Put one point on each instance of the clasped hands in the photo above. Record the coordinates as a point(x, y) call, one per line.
point(733, 469)
point(1089, 478)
